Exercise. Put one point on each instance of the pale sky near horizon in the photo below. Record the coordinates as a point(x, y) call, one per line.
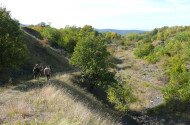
point(113, 14)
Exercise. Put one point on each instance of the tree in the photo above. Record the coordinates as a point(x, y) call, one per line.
point(69, 38)
point(91, 56)
point(12, 49)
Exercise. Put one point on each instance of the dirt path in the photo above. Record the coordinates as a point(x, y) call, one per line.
point(146, 79)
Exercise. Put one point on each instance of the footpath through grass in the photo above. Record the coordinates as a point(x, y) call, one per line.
point(54, 102)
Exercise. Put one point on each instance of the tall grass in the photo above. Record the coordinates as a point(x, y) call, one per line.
point(48, 105)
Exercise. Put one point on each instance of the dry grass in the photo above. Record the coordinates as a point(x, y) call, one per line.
point(48, 105)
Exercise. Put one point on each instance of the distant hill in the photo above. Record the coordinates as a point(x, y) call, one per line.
point(121, 32)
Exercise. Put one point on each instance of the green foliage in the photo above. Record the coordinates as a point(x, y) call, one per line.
point(177, 89)
point(120, 96)
point(160, 50)
point(176, 68)
point(66, 38)
point(143, 49)
point(112, 37)
point(51, 34)
point(87, 31)
point(132, 38)
point(12, 50)
point(174, 50)
point(152, 58)
point(69, 38)
point(183, 37)
point(179, 92)
point(91, 55)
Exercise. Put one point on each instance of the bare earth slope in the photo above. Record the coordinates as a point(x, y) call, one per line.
point(146, 79)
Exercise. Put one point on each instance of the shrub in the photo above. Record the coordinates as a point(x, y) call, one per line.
point(143, 49)
point(91, 56)
point(178, 86)
point(120, 96)
point(152, 58)
point(177, 70)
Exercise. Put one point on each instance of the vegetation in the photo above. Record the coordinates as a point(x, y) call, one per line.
point(59, 103)
point(170, 46)
point(66, 38)
point(143, 49)
point(121, 96)
point(167, 47)
point(13, 50)
point(91, 56)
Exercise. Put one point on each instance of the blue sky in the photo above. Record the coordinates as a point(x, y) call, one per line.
point(115, 14)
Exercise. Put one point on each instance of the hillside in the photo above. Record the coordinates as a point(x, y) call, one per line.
point(121, 32)
point(38, 53)
point(43, 53)
point(57, 101)
point(136, 69)
point(97, 76)
point(156, 65)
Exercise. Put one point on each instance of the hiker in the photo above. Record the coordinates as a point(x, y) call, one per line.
point(47, 72)
point(36, 71)
point(41, 70)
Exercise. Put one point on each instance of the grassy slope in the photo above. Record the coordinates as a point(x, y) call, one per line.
point(44, 54)
point(56, 102)
point(38, 53)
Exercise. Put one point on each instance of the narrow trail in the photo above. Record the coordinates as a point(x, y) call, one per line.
point(146, 78)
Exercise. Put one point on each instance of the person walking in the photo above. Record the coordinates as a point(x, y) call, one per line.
point(47, 72)
point(36, 71)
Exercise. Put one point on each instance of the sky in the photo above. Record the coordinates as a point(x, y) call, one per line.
point(102, 14)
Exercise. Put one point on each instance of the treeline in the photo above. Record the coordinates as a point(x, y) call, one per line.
point(170, 46)
point(68, 37)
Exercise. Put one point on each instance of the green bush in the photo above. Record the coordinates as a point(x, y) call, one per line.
point(91, 57)
point(184, 92)
point(160, 50)
point(177, 70)
point(152, 58)
point(178, 86)
point(120, 96)
point(143, 49)
point(179, 92)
